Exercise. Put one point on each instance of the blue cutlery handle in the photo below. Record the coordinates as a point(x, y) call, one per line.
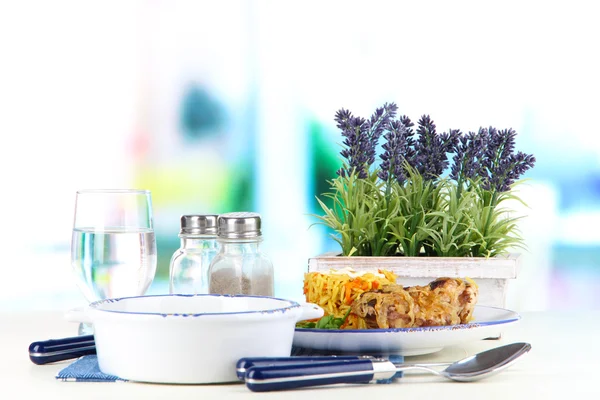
point(246, 363)
point(54, 350)
point(284, 377)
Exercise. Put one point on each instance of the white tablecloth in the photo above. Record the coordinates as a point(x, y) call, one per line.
point(562, 363)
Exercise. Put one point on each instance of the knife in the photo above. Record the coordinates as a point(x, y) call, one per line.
point(53, 350)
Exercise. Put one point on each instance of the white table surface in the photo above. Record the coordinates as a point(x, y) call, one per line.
point(563, 362)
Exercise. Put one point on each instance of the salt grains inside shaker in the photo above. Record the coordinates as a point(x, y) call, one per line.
point(240, 267)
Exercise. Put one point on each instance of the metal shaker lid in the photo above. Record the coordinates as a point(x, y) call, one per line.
point(198, 224)
point(239, 225)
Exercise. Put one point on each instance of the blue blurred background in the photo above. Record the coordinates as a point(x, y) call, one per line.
point(228, 106)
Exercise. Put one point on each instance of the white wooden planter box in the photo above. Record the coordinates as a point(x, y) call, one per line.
point(492, 275)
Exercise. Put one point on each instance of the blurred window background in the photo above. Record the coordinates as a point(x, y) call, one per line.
point(229, 106)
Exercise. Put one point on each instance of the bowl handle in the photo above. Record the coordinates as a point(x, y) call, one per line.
point(309, 311)
point(78, 314)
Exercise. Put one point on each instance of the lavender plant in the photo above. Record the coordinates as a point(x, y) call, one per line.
point(416, 202)
point(357, 214)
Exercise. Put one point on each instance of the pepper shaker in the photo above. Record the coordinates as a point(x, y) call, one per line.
point(240, 267)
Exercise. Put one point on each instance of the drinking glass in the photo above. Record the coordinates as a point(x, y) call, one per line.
point(113, 248)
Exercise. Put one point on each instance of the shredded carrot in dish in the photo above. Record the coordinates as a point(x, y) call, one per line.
point(336, 291)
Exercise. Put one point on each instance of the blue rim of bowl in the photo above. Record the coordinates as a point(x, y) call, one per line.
point(292, 304)
point(470, 325)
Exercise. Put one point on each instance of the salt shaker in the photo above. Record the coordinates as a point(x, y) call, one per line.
point(240, 267)
point(188, 270)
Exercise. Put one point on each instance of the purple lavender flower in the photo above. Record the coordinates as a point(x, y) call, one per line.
point(408, 124)
point(487, 154)
point(519, 163)
point(397, 149)
point(500, 167)
point(343, 117)
point(468, 151)
point(357, 145)
point(361, 137)
point(431, 148)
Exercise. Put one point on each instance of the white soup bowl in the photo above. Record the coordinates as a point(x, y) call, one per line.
point(190, 338)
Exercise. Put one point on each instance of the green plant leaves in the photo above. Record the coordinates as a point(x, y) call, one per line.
point(420, 217)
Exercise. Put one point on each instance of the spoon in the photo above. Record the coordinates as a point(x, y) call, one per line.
point(282, 377)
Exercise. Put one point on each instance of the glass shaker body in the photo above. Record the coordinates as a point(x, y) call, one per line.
point(188, 269)
point(189, 265)
point(241, 268)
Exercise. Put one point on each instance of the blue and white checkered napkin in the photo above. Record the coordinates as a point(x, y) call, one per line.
point(86, 368)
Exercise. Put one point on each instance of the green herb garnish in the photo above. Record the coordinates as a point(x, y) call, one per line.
point(327, 322)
